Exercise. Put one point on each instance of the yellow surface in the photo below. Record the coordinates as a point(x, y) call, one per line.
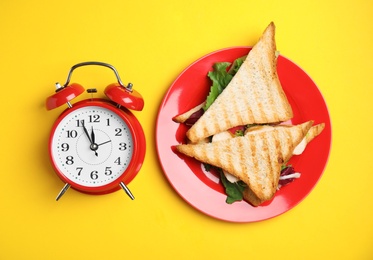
point(150, 43)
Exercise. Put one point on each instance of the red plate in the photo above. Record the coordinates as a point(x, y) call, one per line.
point(201, 189)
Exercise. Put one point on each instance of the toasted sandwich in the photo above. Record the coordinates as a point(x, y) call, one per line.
point(250, 196)
point(253, 96)
point(255, 158)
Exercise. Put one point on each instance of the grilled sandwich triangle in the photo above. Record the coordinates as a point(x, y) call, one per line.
point(254, 95)
point(255, 158)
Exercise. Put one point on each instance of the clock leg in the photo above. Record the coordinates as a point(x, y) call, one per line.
point(125, 188)
point(64, 189)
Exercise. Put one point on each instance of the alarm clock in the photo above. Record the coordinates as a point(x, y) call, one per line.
point(96, 145)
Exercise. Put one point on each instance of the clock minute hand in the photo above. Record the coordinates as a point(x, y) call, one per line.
point(86, 132)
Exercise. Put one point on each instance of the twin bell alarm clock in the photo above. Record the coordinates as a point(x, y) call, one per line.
point(96, 145)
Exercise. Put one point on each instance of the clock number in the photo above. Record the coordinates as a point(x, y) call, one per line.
point(108, 171)
point(79, 123)
point(108, 122)
point(72, 133)
point(65, 147)
point(94, 118)
point(122, 146)
point(118, 131)
point(79, 169)
point(117, 161)
point(69, 160)
point(94, 175)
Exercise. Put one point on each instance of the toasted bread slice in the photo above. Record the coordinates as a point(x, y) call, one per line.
point(314, 131)
point(250, 197)
point(254, 95)
point(255, 158)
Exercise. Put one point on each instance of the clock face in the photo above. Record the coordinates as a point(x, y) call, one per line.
point(92, 146)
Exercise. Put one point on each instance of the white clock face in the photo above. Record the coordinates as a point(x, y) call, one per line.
point(92, 146)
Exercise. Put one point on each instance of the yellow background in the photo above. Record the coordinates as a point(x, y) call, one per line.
point(150, 43)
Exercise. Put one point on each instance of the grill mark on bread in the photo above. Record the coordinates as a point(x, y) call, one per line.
point(253, 154)
point(265, 168)
point(246, 157)
point(203, 130)
point(238, 118)
point(243, 156)
point(261, 115)
point(260, 67)
point(214, 123)
point(267, 95)
point(314, 131)
point(223, 124)
point(277, 147)
point(285, 141)
point(267, 141)
point(275, 99)
point(246, 113)
point(229, 154)
point(259, 177)
point(270, 95)
point(253, 93)
point(260, 88)
point(235, 163)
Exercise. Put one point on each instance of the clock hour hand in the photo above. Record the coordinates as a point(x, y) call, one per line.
point(93, 146)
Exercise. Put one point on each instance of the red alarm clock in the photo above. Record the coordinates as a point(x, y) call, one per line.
point(96, 145)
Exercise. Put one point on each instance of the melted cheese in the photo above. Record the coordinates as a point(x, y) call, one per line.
point(300, 147)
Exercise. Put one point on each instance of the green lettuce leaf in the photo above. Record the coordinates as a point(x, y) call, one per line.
point(233, 190)
point(220, 77)
point(236, 65)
